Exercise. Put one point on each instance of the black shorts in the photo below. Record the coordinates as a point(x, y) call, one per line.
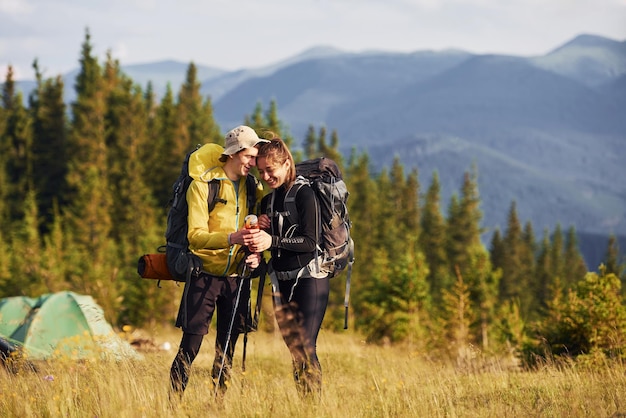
point(203, 294)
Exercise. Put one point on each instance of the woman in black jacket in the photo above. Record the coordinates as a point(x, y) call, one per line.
point(300, 299)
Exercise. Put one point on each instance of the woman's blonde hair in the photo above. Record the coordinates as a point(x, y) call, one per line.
point(276, 153)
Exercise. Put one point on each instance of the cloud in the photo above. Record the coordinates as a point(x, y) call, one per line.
point(15, 7)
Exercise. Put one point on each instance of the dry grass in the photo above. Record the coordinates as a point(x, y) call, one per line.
point(359, 381)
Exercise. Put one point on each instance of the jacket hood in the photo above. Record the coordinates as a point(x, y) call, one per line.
point(205, 164)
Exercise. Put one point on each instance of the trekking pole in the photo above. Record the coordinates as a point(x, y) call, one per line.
point(245, 332)
point(254, 320)
point(228, 335)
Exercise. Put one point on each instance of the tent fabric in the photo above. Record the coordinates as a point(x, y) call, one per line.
point(13, 310)
point(63, 324)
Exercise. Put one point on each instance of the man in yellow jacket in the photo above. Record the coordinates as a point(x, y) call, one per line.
point(216, 237)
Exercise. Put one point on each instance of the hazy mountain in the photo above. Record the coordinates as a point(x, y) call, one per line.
point(217, 86)
point(588, 59)
point(309, 91)
point(546, 132)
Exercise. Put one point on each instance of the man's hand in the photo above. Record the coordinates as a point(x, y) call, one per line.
point(253, 260)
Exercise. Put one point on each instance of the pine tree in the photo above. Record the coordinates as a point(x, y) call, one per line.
point(17, 144)
point(412, 205)
point(50, 138)
point(458, 316)
point(164, 151)
point(528, 259)
point(195, 123)
point(464, 218)
point(574, 267)
point(5, 149)
point(386, 229)
point(432, 241)
point(543, 275)
point(57, 245)
point(516, 265)
point(556, 255)
point(332, 151)
point(392, 189)
point(497, 250)
point(363, 208)
point(89, 214)
point(612, 263)
point(483, 283)
point(26, 254)
point(310, 143)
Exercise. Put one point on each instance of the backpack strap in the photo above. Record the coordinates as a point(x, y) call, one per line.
point(289, 206)
point(251, 186)
point(214, 189)
point(289, 212)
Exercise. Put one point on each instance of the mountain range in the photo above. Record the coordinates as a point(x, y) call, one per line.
point(546, 132)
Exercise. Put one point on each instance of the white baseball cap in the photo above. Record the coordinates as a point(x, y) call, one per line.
point(239, 138)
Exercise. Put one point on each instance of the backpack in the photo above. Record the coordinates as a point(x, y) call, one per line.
point(181, 262)
point(336, 247)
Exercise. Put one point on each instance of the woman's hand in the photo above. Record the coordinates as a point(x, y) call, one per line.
point(260, 242)
point(264, 222)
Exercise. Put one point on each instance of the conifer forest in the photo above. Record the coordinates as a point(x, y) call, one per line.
point(84, 188)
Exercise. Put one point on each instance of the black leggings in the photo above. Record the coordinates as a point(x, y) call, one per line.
point(299, 313)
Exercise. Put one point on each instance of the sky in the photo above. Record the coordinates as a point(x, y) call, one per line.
point(236, 34)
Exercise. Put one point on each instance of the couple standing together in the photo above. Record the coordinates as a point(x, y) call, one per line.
point(216, 237)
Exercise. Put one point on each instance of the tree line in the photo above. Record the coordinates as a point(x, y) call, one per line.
point(84, 190)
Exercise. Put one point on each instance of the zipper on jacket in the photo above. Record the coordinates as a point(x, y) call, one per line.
point(232, 248)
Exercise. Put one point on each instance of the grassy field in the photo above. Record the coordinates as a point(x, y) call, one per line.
point(359, 381)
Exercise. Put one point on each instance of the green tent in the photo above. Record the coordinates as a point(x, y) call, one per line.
point(63, 324)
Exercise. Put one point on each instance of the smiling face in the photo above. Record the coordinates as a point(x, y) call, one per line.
point(238, 165)
point(273, 173)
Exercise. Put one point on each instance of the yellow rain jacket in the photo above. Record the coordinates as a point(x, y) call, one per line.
point(208, 233)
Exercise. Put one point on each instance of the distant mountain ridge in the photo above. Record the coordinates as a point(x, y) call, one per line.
point(548, 132)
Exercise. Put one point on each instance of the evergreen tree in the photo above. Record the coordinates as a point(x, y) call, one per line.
point(164, 151)
point(497, 250)
point(5, 149)
point(612, 263)
point(528, 258)
point(432, 241)
point(17, 144)
point(517, 266)
point(332, 151)
point(458, 315)
point(590, 320)
point(574, 266)
point(25, 258)
point(386, 229)
point(48, 112)
point(195, 122)
point(57, 245)
point(483, 284)
point(412, 213)
point(543, 274)
point(310, 143)
point(257, 120)
point(89, 214)
point(557, 261)
point(393, 191)
point(363, 209)
point(463, 231)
